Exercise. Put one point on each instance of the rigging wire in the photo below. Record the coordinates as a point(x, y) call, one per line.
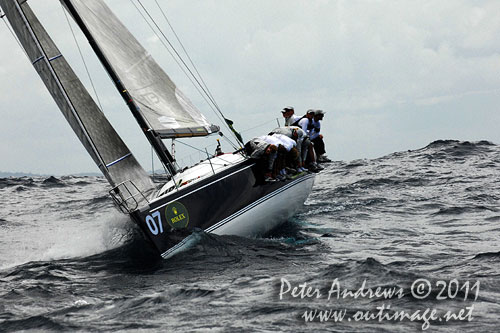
point(193, 147)
point(185, 67)
point(163, 43)
point(82, 57)
point(196, 85)
point(187, 54)
point(201, 151)
point(177, 53)
point(259, 125)
point(204, 96)
point(2, 16)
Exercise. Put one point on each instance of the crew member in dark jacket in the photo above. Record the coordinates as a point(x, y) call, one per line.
point(317, 138)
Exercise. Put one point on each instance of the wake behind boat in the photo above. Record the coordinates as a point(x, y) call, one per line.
point(224, 194)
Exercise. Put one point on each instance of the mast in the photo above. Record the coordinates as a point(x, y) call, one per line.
point(153, 137)
point(90, 125)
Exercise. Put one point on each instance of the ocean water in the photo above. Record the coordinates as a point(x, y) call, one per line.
point(422, 226)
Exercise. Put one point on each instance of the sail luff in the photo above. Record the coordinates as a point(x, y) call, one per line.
point(87, 121)
point(85, 137)
point(152, 137)
point(162, 105)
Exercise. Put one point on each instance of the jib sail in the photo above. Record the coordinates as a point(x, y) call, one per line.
point(88, 122)
point(165, 108)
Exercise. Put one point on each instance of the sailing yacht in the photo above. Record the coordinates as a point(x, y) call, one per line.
point(223, 194)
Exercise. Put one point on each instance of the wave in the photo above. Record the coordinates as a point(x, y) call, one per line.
point(53, 182)
point(209, 252)
point(445, 143)
point(457, 210)
point(369, 267)
point(21, 181)
point(100, 201)
point(487, 256)
point(442, 149)
point(39, 322)
point(420, 214)
point(43, 271)
point(46, 182)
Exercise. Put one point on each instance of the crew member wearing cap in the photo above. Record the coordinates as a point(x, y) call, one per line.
point(307, 125)
point(306, 122)
point(317, 138)
point(289, 115)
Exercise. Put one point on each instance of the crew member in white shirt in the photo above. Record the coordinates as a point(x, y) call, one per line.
point(289, 115)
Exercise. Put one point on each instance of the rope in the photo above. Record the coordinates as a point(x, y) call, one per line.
point(246, 130)
point(177, 57)
point(193, 147)
point(204, 96)
point(187, 54)
point(176, 53)
point(204, 152)
point(262, 124)
point(2, 16)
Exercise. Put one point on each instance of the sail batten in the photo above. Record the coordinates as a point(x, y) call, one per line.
point(160, 103)
point(87, 121)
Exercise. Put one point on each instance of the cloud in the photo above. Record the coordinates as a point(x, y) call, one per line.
point(359, 60)
point(356, 54)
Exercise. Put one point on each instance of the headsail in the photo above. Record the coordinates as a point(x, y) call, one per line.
point(88, 122)
point(166, 110)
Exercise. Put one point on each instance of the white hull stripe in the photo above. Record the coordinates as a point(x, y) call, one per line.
point(255, 203)
point(176, 247)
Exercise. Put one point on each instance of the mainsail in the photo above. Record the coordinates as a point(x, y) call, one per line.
point(88, 122)
point(163, 106)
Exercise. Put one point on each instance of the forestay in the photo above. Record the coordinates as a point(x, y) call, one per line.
point(166, 110)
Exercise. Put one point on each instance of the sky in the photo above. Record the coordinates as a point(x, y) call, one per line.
point(391, 75)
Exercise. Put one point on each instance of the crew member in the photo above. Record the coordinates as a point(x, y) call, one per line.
point(306, 122)
point(285, 146)
point(302, 142)
point(317, 138)
point(290, 156)
point(265, 154)
point(289, 115)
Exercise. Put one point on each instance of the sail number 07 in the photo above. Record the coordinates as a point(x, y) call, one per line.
point(154, 223)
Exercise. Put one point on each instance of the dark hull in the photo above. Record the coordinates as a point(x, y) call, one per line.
point(218, 204)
